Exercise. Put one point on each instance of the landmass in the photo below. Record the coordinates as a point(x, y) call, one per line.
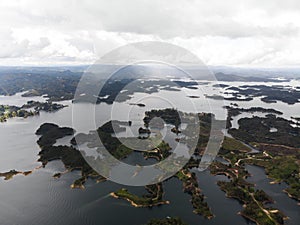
point(138, 104)
point(268, 94)
point(280, 150)
point(257, 129)
point(10, 174)
point(57, 85)
point(7, 111)
point(190, 186)
point(154, 196)
point(50, 133)
point(166, 221)
point(43, 106)
point(31, 108)
point(235, 111)
point(237, 151)
point(255, 202)
point(73, 159)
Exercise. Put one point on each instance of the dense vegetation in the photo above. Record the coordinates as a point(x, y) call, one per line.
point(282, 169)
point(70, 156)
point(50, 133)
point(7, 112)
point(254, 201)
point(231, 144)
point(170, 116)
point(257, 129)
point(166, 221)
point(190, 186)
point(279, 167)
point(269, 94)
point(31, 108)
point(57, 85)
point(153, 197)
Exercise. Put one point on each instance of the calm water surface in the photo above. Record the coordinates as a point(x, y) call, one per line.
point(41, 199)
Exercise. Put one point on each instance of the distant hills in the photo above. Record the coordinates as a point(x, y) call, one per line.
point(60, 82)
point(232, 77)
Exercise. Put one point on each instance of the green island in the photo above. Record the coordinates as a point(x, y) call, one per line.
point(170, 116)
point(7, 111)
point(31, 108)
point(166, 221)
point(47, 106)
point(190, 186)
point(154, 196)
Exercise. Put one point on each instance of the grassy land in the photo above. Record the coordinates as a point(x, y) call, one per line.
point(282, 169)
point(231, 144)
point(254, 201)
point(152, 198)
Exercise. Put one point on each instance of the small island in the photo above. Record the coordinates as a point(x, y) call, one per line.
point(31, 108)
point(7, 111)
point(166, 221)
point(194, 96)
point(43, 106)
point(154, 196)
point(190, 186)
point(10, 174)
point(138, 104)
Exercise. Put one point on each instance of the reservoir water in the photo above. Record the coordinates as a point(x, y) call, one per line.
point(41, 199)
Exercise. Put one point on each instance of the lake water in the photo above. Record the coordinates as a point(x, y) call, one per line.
point(41, 199)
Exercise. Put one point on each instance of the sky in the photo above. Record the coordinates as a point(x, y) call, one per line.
point(242, 33)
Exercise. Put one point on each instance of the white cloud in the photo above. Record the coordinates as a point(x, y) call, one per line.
point(232, 32)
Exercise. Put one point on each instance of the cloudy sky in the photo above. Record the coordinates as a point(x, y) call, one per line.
point(248, 33)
